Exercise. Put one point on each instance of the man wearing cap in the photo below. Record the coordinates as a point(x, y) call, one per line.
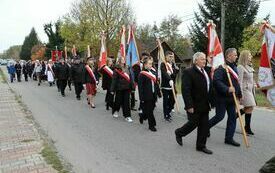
point(62, 74)
point(77, 76)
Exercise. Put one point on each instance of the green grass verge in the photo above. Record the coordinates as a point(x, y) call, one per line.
point(51, 157)
point(261, 99)
point(3, 76)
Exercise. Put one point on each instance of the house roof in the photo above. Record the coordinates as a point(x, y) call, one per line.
point(166, 47)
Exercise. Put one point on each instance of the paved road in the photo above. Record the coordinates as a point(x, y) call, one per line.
point(93, 141)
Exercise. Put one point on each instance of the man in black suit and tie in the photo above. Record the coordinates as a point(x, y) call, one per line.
point(196, 92)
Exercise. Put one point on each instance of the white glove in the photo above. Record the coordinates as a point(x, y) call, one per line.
point(171, 83)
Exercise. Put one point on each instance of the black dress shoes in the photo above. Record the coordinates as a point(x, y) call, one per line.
point(140, 120)
point(232, 142)
point(178, 139)
point(205, 150)
point(153, 129)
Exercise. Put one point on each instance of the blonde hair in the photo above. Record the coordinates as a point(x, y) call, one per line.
point(244, 57)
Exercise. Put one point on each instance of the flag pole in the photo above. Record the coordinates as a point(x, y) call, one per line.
point(88, 51)
point(237, 108)
point(173, 88)
point(65, 52)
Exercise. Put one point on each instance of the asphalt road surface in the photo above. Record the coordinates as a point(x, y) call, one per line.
point(94, 142)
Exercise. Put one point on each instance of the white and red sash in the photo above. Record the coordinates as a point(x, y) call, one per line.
point(169, 68)
point(149, 75)
point(153, 69)
point(123, 75)
point(108, 70)
point(91, 73)
point(233, 73)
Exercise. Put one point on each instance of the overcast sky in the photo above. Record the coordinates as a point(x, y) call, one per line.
point(17, 17)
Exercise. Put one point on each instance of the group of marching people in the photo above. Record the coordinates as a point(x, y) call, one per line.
point(202, 89)
point(29, 69)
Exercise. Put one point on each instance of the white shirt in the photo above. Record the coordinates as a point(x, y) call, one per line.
point(206, 76)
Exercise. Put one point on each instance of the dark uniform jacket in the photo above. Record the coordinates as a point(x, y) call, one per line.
point(62, 71)
point(18, 67)
point(88, 78)
point(194, 90)
point(165, 77)
point(106, 79)
point(78, 72)
point(145, 86)
point(120, 83)
point(221, 85)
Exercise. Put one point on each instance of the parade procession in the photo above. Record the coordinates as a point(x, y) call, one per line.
point(107, 95)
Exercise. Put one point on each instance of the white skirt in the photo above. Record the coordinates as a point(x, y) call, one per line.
point(50, 76)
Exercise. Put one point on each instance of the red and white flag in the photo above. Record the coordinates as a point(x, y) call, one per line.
point(214, 46)
point(266, 76)
point(123, 43)
point(103, 52)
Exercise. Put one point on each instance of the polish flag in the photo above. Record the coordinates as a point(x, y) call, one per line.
point(103, 52)
point(267, 64)
point(123, 43)
point(214, 46)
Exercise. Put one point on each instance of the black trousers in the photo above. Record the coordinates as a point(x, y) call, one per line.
point(78, 87)
point(122, 99)
point(133, 99)
point(148, 112)
point(199, 120)
point(26, 76)
point(70, 84)
point(57, 84)
point(168, 102)
point(62, 85)
point(18, 73)
point(109, 99)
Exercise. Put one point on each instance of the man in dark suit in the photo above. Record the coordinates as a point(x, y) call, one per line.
point(224, 96)
point(196, 92)
point(62, 72)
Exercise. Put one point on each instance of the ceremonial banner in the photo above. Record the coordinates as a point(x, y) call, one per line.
point(123, 43)
point(56, 55)
point(214, 46)
point(132, 53)
point(103, 53)
point(266, 74)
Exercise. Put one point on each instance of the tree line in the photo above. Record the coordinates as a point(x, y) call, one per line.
point(82, 26)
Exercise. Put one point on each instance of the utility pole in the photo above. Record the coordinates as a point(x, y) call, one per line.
point(222, 22)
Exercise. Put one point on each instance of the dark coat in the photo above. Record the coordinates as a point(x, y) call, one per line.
point(145, 89)
point(136, 70)
point(25, 69)
point(62, 71)
point(165, 77)
point(18, 67)
point(106, 80)
point(194, 90)
point(221, 85)
point(88, 78)
point(119, 83)
point(78, 73)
